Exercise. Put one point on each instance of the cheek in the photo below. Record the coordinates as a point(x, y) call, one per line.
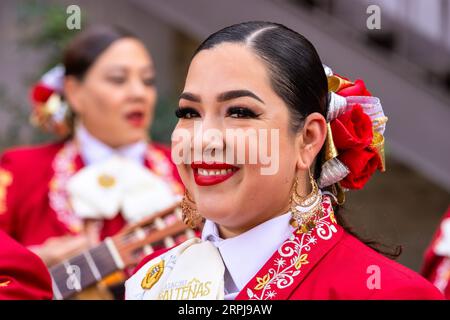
point(151, 97)
point(183, 172)
point(100, 100)
point(181, 153)
point(276, 164)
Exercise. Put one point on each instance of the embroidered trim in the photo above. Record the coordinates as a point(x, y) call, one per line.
point(6, 180)
point(5, 283)
point(293, 254)
point(64, 168)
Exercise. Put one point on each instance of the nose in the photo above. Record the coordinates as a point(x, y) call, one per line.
point(137, 89)
point(209, 132)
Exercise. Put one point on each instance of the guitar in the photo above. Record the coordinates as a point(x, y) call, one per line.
point(124, 250)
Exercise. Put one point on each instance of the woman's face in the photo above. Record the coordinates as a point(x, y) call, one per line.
point(227, 89)
point(116, 99)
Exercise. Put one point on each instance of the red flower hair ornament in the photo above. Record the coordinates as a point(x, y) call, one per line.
point(354, 148)
point(50, 112)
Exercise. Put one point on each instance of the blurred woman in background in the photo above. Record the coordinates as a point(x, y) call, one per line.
point(59, 198)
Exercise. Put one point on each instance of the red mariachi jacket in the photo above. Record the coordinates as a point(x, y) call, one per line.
point(22, 274)
point(34, 202)
point(328, 263)
point(436, 266)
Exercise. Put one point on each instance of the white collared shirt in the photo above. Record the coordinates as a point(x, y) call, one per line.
point(94, 151)
point(245, 254)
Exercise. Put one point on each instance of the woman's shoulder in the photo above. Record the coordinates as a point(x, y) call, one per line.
point(24, 275)
point(375, 276)
point(29, 155)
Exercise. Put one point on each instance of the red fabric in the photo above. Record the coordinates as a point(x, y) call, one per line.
point(362, 163)
point(22, 274)
point(433, 262)
point(29, 217)
point(352, 136)
point(357, 89)
point(341, 273)
point(352, 129)
point(334, 266)
point(168, 153)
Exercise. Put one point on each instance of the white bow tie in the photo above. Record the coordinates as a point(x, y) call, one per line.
point(101, 191)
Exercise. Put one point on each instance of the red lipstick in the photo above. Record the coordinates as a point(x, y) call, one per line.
point(208, 174)
point(135, 118)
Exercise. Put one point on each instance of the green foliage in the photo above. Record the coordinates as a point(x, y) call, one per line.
point(43, 29)
point(164, 120)
point(49, 31)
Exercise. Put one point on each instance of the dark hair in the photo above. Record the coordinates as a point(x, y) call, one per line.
point(87, 46)
point(297, 76)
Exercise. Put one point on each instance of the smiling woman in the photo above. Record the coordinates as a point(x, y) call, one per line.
point(105, 172)
point(273, 236)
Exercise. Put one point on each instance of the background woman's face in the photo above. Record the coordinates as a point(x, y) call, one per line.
point(116, 99)
point(246, 198)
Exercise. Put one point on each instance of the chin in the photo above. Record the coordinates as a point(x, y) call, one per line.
point(217, 209)
point(136, 137)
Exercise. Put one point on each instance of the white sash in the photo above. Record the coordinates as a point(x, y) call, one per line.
point(193, 270)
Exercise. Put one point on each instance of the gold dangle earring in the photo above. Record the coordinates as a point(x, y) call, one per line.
point(306, 209)
point(190, 215)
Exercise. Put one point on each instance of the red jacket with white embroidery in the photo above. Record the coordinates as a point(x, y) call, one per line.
point(22, 274)
point(328, 263)
point(436, 266)
point(34, 203)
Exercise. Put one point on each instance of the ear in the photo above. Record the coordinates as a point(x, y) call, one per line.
point(72, 93)
point(310, 140)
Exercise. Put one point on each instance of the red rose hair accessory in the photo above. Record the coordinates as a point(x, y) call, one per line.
point(354, 146)
point(50, 112)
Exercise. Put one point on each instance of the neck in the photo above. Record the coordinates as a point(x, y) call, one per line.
point(83, 133)
point(226, 232)
point(94, 150)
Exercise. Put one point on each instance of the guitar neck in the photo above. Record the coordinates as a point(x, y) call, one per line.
point(161, 230)
point(80, 272)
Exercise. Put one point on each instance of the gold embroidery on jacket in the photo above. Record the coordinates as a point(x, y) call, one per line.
point(5, 181)
point(5, 283)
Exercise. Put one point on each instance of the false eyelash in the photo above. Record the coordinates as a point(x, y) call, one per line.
point(182, 113)
point(244, 111)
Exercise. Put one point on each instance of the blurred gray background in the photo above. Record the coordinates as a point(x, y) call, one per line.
point(406, 63)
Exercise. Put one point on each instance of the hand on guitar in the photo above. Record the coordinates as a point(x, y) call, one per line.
point(55, 250)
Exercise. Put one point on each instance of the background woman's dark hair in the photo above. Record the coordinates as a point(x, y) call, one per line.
point(87, 46)
point(297, 76)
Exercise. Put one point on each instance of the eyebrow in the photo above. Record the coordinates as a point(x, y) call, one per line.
point(144, 68)
point(229, 95)
point(225, 96)
point(190, 96)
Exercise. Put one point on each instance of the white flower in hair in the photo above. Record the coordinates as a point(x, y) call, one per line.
point(54, 78)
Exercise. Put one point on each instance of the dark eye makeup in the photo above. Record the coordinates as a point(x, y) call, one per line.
point(241, 113)
point(237, 112)
point(186, 113)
